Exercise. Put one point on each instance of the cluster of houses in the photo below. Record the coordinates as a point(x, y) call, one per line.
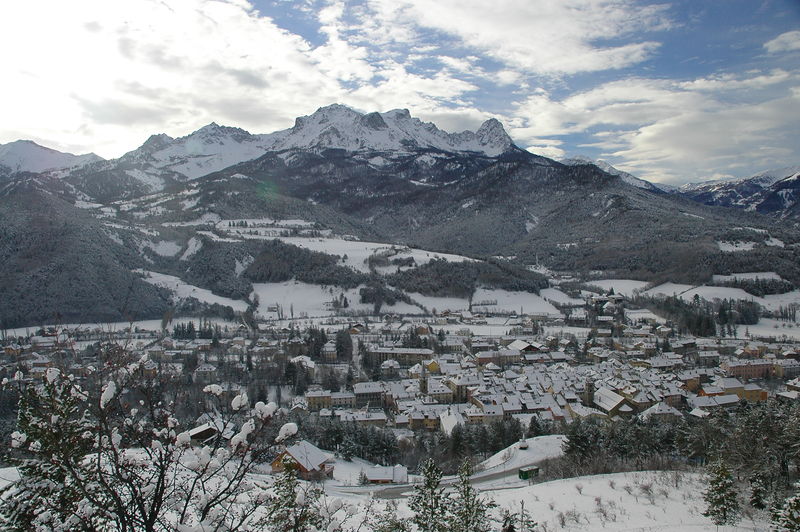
point(632, 364)
point(557, 380)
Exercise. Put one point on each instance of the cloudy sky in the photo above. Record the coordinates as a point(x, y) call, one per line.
point(670, 91)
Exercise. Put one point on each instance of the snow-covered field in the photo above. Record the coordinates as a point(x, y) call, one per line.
point(354, 252)
point(603, 502)
point(577, 332)
point(310, 300)
point(358, 252)
point(645, 501)
point(554, 295)
point(667, 289)
point(773, 301)
point(165, 248)
point(626, 287)
point(767, 327)
point(710, 293)
point(118, 326)
point(731, 247)
point(184, 290)
point(7, 476)
point(523, 302)
point(491, 300)
point(441, 304)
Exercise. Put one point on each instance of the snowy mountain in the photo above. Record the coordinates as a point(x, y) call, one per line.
point(337, 126)
point(27, 156)
point(774, 192)
point(163, 161)
point(209, 149)
point(607, 168)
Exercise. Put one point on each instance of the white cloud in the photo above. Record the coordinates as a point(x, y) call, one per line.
point(785, 42)
point(92, 77)
point(547, 150)
point(551, 37)
point(676, 131)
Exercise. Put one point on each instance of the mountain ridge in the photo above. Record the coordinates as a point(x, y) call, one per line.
point(773, 192)
point(144, 213)
point(29, 156)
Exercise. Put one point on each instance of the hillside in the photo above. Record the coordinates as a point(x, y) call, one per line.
point(174, 207)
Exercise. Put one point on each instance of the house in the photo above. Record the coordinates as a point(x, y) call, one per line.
point(318, 399)
point(329, 351)
point(343, 399)
point(369, 393)
point(202, 433)
point(205, 374)
point(660, 411)
point(748, 369)
point(361, 417)
point(460, 385)
point(308, 459)
point(611, 402)
point(390, 368)
point(787, 368)
point(386, 474)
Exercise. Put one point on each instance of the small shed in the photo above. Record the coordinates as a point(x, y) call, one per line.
point(529, 472)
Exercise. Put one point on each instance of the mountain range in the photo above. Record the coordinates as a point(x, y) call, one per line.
point(75, 239)
point(774, 192)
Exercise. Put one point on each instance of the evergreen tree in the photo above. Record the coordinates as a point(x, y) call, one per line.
point(518, 521)
point(388, 520)
point(429, 501)
point(758, 491)
point(344, 345)
point(787, 517)
point(289, 509)
point(722, 503)
point(44, 497)
point(470, 512)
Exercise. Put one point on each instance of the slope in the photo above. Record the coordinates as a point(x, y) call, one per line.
point(59, 265)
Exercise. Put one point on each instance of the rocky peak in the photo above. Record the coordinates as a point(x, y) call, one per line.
point(338, 126)
point(156, 142)
point(492, 133)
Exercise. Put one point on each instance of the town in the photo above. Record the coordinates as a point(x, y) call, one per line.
point(605, 360)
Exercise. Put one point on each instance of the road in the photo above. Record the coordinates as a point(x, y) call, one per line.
point(497, 473)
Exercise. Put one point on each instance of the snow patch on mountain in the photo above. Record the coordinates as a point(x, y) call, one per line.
point(192, 247)
point(165, 248)
point(183, 290)
point(27, 156)
point(732, 247)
